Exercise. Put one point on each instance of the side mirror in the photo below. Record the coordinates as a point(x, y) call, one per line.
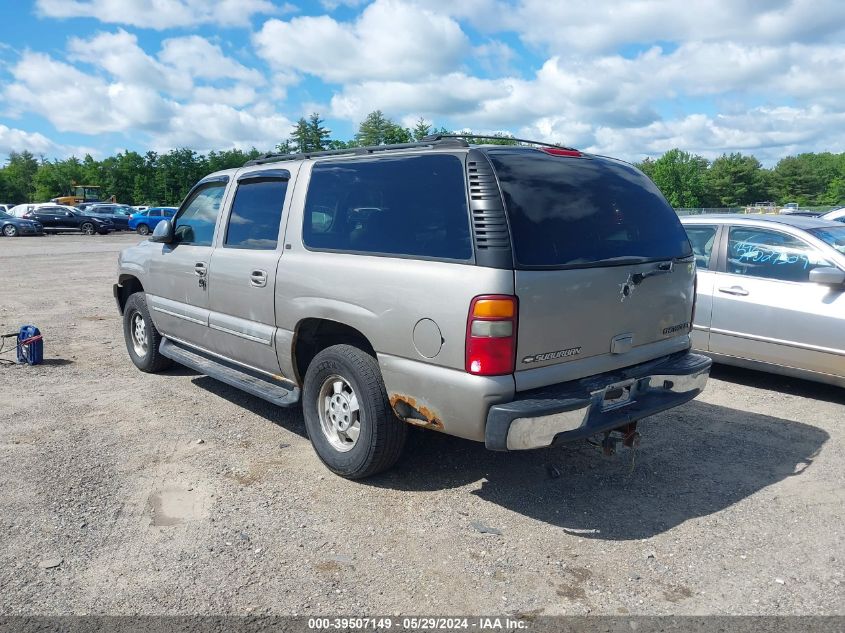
point(827, 275)
point(163, 232)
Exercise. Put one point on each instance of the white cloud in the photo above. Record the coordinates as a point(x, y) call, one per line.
point(628, 79)
point(611, 99)
point(604, 25)
point(495, 57)
point(121, 57)
point(76, 102)
point(217, 126)
point(389, 40)
point(767, 132)
point(201, 59)
point(161, 14)
point(14, 140)
point(136, 95)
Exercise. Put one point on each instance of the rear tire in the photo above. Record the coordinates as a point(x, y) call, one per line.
point(143, 229)
point(343, 390)
point(142, 339)
point(87, 228)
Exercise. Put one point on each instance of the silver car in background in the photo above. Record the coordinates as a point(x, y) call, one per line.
point(771, 293)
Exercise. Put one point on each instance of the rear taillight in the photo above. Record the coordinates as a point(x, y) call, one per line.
point(491, 335)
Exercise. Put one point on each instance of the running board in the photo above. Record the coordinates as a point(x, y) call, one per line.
point(239, 377)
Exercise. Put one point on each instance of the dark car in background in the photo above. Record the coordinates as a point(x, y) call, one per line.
point(144, 222)
point(10, 226)
point(56, 219)
point(118, 213)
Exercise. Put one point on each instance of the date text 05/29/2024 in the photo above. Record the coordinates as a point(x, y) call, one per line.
point(418, 623)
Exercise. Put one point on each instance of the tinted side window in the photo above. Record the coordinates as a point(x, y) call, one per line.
point(195, 222)
point(701, 238)
point(574, 212)
point(154, 213)
point(771, 255)
point(256, 214)
point(402, 205)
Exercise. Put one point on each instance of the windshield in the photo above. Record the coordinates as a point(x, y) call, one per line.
point(834, 236)
point(578, 212)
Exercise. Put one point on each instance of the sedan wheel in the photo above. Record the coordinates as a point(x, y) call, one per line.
point(10, 230)
point(87, 228)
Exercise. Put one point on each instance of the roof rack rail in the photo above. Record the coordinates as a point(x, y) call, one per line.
point(438, 137)
point(369, 149)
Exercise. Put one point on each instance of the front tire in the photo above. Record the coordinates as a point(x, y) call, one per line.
point(10, 230)
point(143, 229)
point(142, 339)
point(347, 414)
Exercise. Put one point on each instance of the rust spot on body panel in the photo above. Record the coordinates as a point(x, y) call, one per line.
point(406, 408)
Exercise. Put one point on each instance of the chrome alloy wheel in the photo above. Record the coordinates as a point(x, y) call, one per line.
point(138, 329)
point(339, 412)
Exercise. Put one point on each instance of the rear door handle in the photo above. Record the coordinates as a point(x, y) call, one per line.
point(735, 290)
point(258, 278)
point(199, 269)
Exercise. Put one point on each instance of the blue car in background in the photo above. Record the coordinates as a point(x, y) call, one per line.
point(145, 221)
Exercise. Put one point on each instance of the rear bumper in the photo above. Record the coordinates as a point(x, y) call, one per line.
point(577, 409)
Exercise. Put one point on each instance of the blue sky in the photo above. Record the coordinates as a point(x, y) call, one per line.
point(630, 79)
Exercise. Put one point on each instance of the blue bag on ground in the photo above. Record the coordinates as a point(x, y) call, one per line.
point(30, 345)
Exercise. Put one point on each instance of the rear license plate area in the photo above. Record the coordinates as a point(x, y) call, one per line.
point(617, 395)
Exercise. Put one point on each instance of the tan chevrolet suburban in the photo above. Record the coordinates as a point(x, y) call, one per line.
point(512, 295)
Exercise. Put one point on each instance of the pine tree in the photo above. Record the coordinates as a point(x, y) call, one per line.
point(318, 136)
point(421, 129)
point(372, 129)
point(301, 136)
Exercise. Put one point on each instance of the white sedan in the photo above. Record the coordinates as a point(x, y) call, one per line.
point(836, 214)
point(771, 293)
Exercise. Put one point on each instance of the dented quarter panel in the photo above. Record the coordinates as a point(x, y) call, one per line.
point(440, 398)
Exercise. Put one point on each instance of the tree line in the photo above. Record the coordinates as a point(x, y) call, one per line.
point(735, 180)
point(687, 180)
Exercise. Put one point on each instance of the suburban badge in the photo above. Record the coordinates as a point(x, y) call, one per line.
point(563, 353)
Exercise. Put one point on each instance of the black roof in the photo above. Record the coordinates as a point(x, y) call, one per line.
point(798, 221)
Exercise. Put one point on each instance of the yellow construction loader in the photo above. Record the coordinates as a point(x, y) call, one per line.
point(82, 193)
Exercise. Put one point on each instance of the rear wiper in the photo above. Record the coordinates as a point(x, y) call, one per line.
point(662, 269)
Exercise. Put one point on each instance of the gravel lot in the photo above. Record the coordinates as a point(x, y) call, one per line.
point(127, 493)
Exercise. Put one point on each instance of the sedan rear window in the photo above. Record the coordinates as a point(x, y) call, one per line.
point(576, 212)
point(834, 236)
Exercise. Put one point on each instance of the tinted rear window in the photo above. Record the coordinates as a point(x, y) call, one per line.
point(405, 205)
point(580, 211)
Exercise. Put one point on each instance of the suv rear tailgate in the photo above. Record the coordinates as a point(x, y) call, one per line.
point(604, 273)
point(567, 317)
